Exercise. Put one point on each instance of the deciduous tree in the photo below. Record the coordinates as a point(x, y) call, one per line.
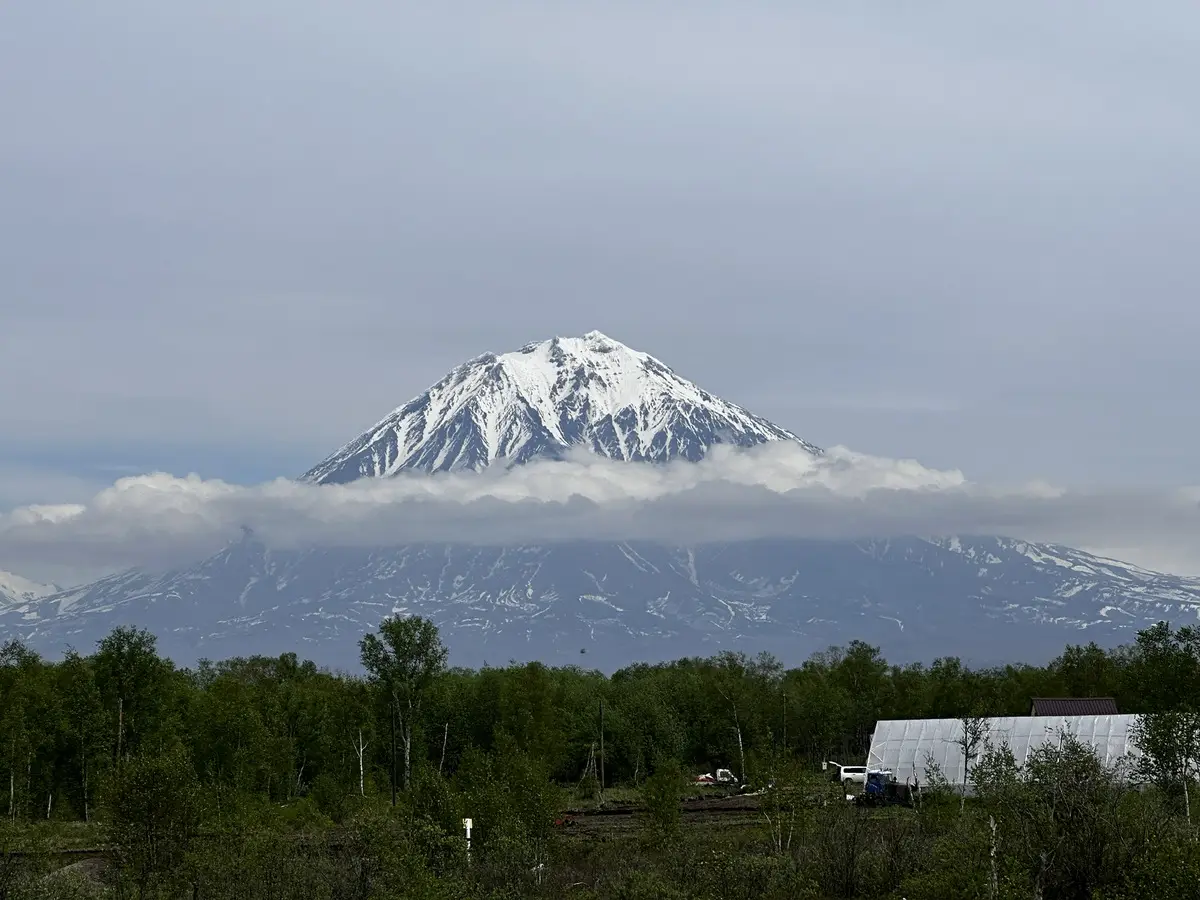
point(403, 661)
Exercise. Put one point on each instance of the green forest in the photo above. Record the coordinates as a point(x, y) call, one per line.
point(123, 775)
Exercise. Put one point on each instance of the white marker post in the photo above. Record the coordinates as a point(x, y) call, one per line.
point(467, 826)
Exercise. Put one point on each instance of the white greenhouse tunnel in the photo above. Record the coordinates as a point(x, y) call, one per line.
point(905, 746)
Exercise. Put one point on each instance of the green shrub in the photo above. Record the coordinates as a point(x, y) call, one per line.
point(661, 794)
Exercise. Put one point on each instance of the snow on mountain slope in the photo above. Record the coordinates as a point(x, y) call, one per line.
point(591, 391)
point(986, 598)
point(15, 589)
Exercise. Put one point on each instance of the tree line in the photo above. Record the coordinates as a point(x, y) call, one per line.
point(280, 728)
point(271, 777)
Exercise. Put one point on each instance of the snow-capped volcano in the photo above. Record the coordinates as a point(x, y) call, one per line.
point(589, 391)
point(917, 598)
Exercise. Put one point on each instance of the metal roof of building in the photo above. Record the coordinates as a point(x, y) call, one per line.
point(1074, 706)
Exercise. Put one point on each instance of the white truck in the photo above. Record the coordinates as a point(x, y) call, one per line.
point(847, 775)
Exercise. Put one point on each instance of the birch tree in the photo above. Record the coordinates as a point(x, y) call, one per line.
point(1170, 747)
point(730, 683)
point(970, 742)
point(134, 686)
point(20, 725)
point(360, 747)
point(403, 661)
point(86, 724)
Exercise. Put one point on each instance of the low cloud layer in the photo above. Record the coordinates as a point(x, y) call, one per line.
point(773, 491)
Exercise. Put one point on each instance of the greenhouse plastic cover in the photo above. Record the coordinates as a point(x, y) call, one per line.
point(902, 745)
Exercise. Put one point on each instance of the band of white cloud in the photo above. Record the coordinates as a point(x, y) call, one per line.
point(773, 491)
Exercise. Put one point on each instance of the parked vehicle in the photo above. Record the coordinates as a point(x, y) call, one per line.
point(847, 775)
point(723, 776)
point(882, 789)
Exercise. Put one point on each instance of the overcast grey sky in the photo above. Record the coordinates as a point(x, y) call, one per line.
point(232, 235)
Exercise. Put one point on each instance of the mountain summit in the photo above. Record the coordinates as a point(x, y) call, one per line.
point(589, 391)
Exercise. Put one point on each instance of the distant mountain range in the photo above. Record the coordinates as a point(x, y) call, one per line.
point(601, 603)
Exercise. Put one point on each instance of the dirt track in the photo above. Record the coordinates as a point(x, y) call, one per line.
point(708, 811)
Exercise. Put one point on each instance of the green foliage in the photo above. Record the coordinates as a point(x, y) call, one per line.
point(303, 815)
point(1069, 823)
point(405, 657)
point(649, 886)
point(953, 865)
point(588, 787)
point(790, 794)
point(660, 798)
point(729, 870)
point(155, 807)
point(512, 803)
point(266, 777)
point(1170, 746)
point(138, 690)
point(404, 661)
point(1170, 871)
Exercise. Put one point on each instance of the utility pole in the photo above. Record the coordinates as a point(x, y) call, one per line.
point(602, 748)
point(391, 708)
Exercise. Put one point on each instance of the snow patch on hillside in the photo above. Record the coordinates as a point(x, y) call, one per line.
point(16, 589)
